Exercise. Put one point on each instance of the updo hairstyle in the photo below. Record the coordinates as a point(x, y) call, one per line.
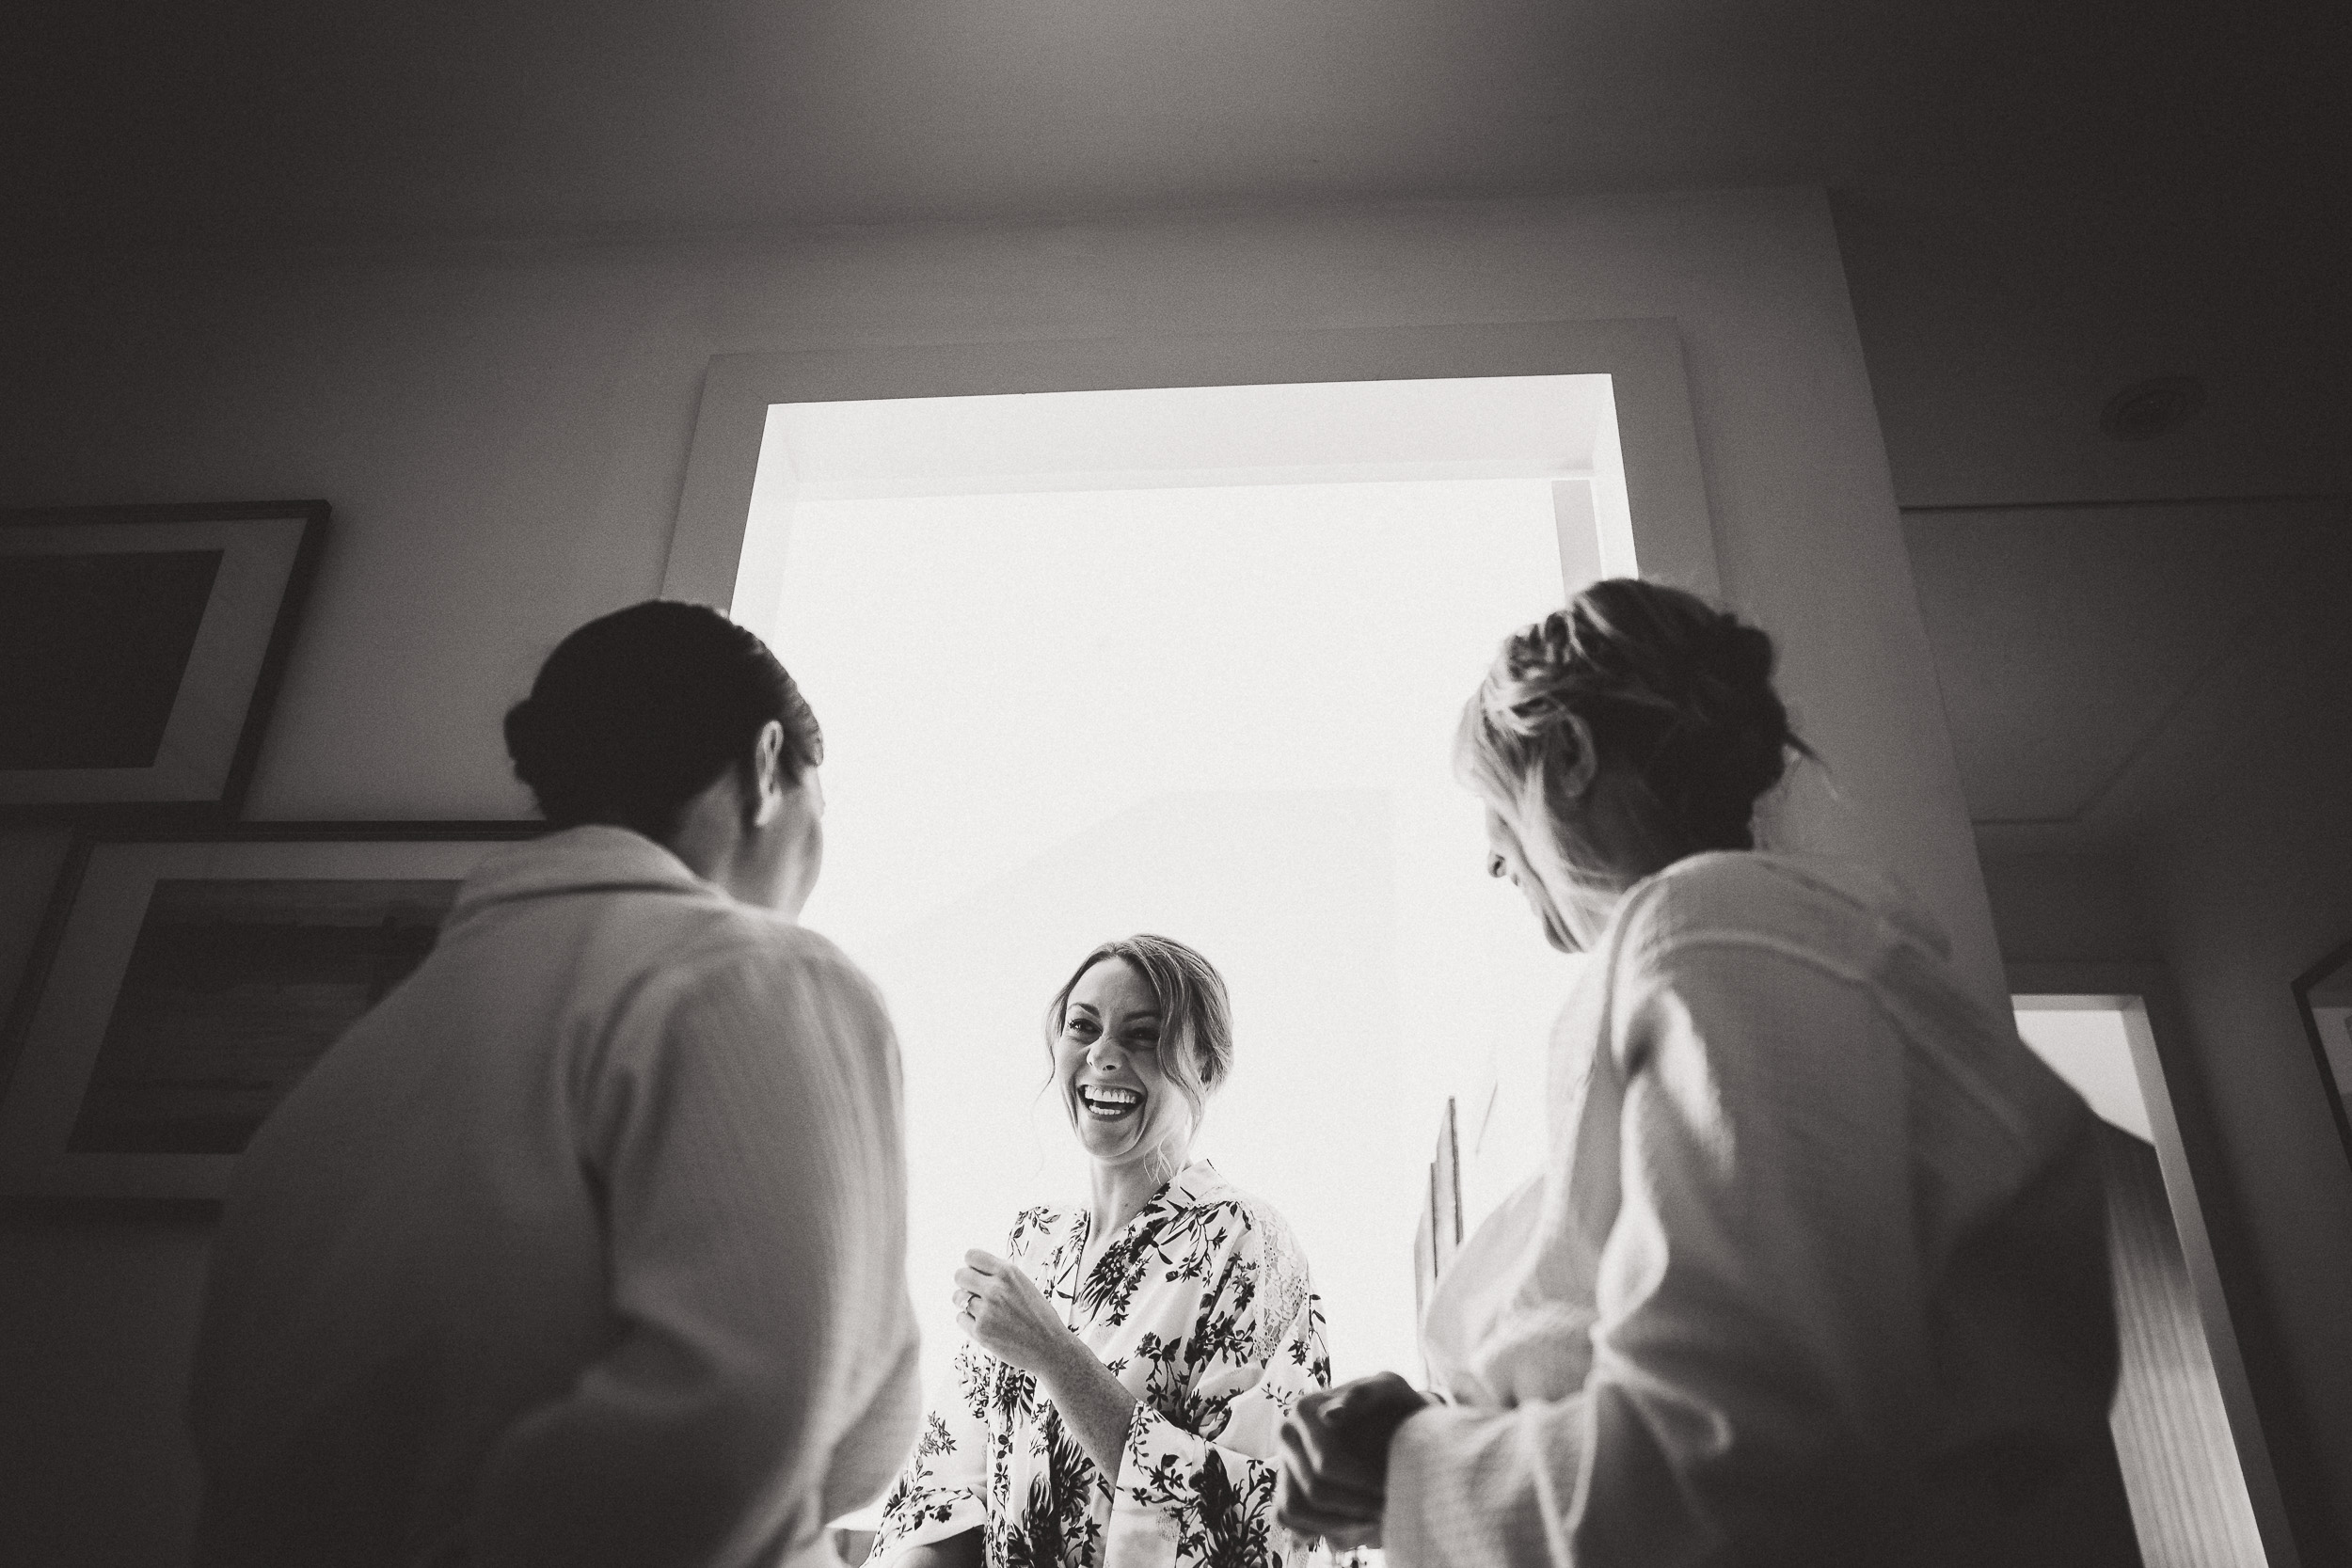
point(1196, 1022)
point(639, 711)
point(1677, 694)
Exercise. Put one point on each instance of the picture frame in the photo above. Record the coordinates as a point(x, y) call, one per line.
point(141, 649)
point(2323, 994)
point(182, 984)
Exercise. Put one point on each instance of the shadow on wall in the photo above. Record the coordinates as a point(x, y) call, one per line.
point(97, 1323)
point(98, 1315)
point(2148, 705)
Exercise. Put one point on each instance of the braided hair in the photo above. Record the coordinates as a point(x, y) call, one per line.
point(1673, 691)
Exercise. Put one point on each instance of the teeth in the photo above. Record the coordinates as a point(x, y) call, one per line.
point(1108, 1101)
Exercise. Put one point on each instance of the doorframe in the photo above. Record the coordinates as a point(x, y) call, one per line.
point(2188, 1150)
point(1669, 536)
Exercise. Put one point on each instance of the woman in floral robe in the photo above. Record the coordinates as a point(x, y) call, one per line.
point(1133, 1358)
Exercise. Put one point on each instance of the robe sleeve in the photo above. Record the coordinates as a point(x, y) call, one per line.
point(942, 1491)
point(1756, 1299)
point(1197, 1476)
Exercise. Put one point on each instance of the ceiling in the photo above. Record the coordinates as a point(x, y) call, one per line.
point(2070, 642)
point(407, 117)
point(2037, 202)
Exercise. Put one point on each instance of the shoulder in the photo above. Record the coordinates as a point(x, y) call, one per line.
point(728, 974)
point(1246, 1224)
point(1261, 1277)
point(738, 947)
point(761, 939)
point(1814, 910)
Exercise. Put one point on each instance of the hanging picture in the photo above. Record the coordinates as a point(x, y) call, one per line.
point(139, 651)
point(183, 985)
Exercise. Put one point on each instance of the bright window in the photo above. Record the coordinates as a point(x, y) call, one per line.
point(1223, 712)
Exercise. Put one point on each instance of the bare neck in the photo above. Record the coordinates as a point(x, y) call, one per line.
point(1121, 1190)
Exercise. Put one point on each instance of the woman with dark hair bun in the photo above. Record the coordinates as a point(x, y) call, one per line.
point(671, 721)
point(1814, 1271)
point(587, 1244)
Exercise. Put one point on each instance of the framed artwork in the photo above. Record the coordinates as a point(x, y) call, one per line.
point(2324, 991)
point(140, 648)
point(182, 985)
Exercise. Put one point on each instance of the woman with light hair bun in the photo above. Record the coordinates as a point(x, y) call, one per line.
point(1131, 1358)
point(1815, 1270)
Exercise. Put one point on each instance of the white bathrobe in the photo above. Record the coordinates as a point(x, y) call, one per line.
point(586, 1246)
point(1816, 1272)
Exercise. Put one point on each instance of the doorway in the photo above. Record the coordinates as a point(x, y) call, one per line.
point(1185, 660)
point(2183, 1450)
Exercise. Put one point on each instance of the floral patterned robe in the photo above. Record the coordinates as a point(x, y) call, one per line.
point(1200, 1307)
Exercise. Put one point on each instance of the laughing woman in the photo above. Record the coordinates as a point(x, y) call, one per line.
point(1131, 1360)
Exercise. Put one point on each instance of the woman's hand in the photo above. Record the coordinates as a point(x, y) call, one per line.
point(1335, 1459)
point(1005, 1315)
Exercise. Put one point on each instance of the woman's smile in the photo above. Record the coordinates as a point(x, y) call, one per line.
point(1107, 1059)
point(1109, 1102)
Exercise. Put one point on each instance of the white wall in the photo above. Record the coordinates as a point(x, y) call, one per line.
point(503, 434)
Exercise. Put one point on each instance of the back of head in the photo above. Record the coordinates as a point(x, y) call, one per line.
point(639, 711)
point(1676, 692)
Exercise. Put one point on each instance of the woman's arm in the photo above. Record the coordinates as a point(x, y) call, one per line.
point(1759, 1296)
point(1006, 1316)
point(1095, 1406)
point(1202, 1457)
point(941, 1495)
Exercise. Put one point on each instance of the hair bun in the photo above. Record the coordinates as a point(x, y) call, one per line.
point(636, 711)
point(525, 736)
point(1668, 686)
point(1744, 657)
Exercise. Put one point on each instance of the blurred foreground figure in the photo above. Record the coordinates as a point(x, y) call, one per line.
point(585, 1246)
point(1816, 1272)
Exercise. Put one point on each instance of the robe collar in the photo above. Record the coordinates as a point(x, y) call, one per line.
point(593, 859)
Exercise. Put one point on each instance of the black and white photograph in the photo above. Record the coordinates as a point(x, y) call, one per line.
point(1406, 783)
